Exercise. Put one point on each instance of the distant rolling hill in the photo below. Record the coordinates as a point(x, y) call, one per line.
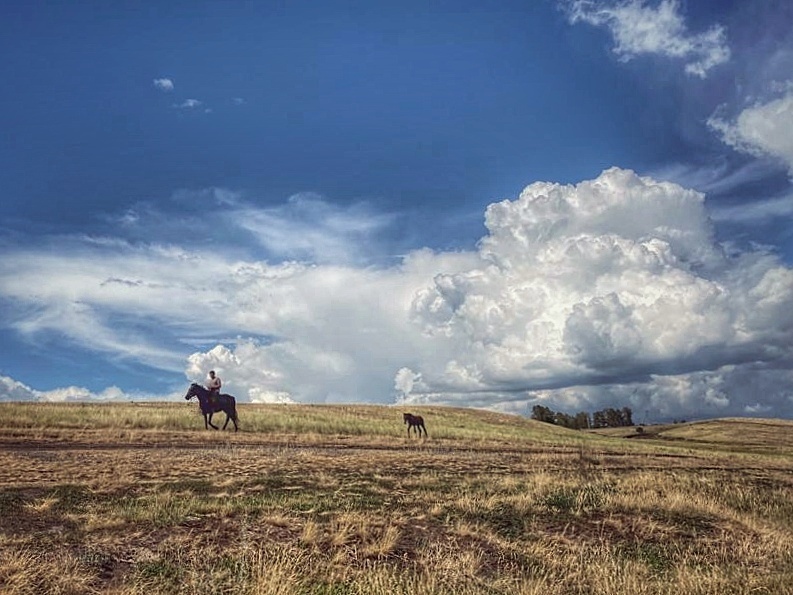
point(742, 434)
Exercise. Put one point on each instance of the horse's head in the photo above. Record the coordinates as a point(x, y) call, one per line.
point(406, 417)
point(191, 392)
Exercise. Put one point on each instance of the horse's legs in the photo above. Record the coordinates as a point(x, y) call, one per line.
point(231, 414)
point(211, 413)
point(233, 420)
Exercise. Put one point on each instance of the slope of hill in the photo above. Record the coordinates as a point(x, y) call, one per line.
point(139, 498)
point(732, 434)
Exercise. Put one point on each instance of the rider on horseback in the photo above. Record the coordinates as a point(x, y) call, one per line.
point(213, 386)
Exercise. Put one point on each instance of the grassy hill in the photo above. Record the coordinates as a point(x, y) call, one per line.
point(139, 498)
point(773, 436)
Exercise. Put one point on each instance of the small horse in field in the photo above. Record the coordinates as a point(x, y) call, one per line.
point(211, 404)
point(416, 422)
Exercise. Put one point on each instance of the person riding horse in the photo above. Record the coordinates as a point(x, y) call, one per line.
point(211, 405)
point(213, 386)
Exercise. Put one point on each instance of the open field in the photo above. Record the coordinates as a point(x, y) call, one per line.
point(139, 498)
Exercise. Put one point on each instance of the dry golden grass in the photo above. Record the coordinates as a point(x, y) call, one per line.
point(128, 499)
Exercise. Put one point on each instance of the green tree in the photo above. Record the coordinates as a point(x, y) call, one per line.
point(541, 413)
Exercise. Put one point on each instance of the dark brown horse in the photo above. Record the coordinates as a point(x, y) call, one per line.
point(416, 422)
point(211, 404)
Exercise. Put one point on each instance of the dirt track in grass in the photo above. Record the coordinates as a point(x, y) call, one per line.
point(99, 456)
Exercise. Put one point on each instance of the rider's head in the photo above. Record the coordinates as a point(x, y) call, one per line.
point(212, 373)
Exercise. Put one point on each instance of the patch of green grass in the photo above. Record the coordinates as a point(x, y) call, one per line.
point(194, 486)
point(690, 522)
point(11, 502)
point(329, 588)
point(233, 569)
point(158, 575)
point(71, 498)
point(560, 500)
point(504, 519)
point(658, 558)
point(576, 499)
point(160, 509)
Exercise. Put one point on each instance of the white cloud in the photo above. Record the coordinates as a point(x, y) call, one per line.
point(12, 390)
point(310, 228)
point(614, 278)
point(639, 28)
point(765, 129)
point(164, 84)
point(404, 381)
point(246, 371)
point(752, 212)
point(732, 390)
point(718, 178)
point(189, 104)
point(578, 295)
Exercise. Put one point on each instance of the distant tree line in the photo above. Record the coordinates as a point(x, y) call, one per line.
point(605, 418)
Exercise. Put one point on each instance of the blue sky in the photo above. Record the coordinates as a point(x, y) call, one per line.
point(489, 204)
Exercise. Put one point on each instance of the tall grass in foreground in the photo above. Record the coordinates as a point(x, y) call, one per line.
point(390, 516)
point(532, 534)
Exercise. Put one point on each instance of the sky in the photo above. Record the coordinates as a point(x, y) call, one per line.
point(500, 204)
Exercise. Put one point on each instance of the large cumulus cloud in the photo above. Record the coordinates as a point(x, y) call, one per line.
point(613, 282)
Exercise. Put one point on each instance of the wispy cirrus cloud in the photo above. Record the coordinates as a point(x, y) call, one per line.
point(310, 228)
point(717, 178)
point(307, 227)
point(752, 212)
point(639, 28)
